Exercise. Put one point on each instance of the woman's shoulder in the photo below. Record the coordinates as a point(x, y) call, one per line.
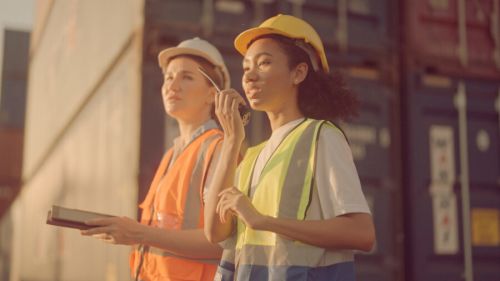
point(331, 134)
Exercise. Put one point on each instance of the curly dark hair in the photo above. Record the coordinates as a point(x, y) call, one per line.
point(321, 95)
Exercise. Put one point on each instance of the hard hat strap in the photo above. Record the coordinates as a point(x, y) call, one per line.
point(311, 53)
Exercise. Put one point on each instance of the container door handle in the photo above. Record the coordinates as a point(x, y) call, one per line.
point(462, 33)
point(460, 101)
point(342, 25)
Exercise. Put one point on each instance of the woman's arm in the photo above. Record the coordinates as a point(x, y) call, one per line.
point(350, 231)
point(226, 108)
point(126, 231)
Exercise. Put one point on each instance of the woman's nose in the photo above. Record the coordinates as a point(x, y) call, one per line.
point(171, 85)
point(250, 75)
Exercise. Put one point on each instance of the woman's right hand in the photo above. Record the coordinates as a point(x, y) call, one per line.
point(226, 109)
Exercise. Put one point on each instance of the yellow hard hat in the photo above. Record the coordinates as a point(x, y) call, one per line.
point(287, 26)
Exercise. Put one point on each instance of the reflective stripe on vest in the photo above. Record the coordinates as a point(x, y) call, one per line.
point(289, 171)
point(178, 199)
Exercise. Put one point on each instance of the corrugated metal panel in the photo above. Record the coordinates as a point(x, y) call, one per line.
point(434, 198)
point(14, 75)
point(455, 36)
point(82, 137)
point(69, 61)
point(373, 144)
point(94, 167)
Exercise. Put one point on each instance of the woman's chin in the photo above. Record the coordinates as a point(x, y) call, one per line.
point(256, 104)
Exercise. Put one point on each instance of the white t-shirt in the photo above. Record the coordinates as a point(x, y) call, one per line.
point(337, 181)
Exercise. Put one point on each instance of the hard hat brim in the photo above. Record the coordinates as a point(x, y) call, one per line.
point(243, 40)
point(166, 55)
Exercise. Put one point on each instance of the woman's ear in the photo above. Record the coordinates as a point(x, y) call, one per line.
point(211, 95)
point(300, 73)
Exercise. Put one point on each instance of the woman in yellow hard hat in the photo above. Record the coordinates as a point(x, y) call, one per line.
point(293, 209)
point(170, 240)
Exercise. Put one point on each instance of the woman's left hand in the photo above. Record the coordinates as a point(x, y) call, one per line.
point(232, 201)
point(115, 230)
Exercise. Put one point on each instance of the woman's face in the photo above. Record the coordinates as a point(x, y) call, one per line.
point(267, 79)
point(186, 93)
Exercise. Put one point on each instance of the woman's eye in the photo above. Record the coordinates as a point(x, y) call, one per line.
point(168, 78)
point(188, 77)
point(264, 63)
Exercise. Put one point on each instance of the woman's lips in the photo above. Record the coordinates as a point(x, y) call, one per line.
point(253, 92)
point(173, 98)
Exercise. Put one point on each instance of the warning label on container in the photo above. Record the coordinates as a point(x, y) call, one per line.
point(485, 227)
point(445, 223)
point(442, 155)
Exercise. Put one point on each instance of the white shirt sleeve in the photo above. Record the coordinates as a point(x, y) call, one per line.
point(337, 180)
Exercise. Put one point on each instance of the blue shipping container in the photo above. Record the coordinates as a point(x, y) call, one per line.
point(433, 199)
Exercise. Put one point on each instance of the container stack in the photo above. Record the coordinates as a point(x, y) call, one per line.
point(426, 143)
point(451, 91)
point(12, 111)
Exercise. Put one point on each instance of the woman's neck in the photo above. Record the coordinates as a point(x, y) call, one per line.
point(288, 110)
point(187, 128)
point(281, 117)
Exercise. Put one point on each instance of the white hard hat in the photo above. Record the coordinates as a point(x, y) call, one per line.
point(201, 48)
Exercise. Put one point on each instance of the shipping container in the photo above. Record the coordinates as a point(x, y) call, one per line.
point(457, 37)
point(373, 138)
point(14, 75)
point(11, 155)
point(77, 44)
point(82, 138)
point(351, 29)
point(451, 164)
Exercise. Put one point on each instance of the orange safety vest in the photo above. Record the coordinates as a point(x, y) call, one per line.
point(175, 201)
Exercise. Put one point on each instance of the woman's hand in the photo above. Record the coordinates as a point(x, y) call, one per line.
point(116, 230)
point(226, 109)
point(233, 202)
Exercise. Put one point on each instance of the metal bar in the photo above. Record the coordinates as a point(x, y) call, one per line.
point(342, 25)
point(497, 106)
point(462, 33)
point(460, 101)
point(207, 18)
point(495, 31)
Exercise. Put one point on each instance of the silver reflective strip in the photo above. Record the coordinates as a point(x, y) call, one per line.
point(163, 253)
point(294, 182)
point(192, 205)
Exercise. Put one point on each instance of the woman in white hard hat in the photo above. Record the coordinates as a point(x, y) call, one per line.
point(170, 240)
point(297, 211)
